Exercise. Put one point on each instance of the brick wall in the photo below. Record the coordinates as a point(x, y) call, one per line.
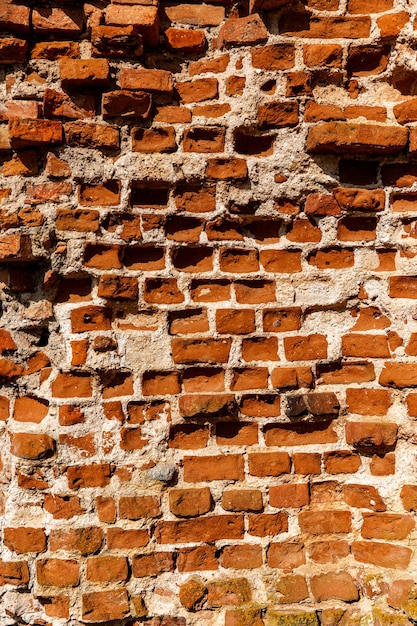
point(208, 313)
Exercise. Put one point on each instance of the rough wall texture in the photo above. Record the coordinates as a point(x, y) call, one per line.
point(208, 313)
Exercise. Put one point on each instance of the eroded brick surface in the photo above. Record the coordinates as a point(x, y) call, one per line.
point(208, 332)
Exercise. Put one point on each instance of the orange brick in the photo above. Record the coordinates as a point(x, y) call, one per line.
point(208, 468)
point(290, 495)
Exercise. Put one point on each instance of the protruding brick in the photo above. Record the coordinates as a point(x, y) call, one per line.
point(103, 606)
point(13, 50)
point(84, 72)
point(26, 132)
point(145, 18)
point(32, 446)
point(247, 30)
point(344, 138)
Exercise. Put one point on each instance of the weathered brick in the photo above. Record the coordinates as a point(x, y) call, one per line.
point(207, 468)
point(381, 554)
point(34, 132)
point(58, 572)
point(102, 606)
point(207, 529)
point(334, 586)
point(84, 72)
point(144, 18)
point(344, 138)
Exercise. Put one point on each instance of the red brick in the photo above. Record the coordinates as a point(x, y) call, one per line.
point(102, 606)
point(235, 321)
point(227, 168)
point(341, 462)
point(29, 409)
point(84, 72)
point(56, 606)
point(226, 592)
point(242, 557)
point(67, 21)
point(371, 434)
point(328, 551)
point(12, 50)
point(185, 40)
point(152, 564)
point(302, 25)
point(190, 502)
point(122, 539)
point(14, 573)
point(243, 616)
point(305, 348)
point(4, 408)
point(307, 462)
point(152, 81)
point(242, 500)
point(291, 589)
point(302, 231)
point(296, 435)
point(364, 200)
point(137, 507)
point(188, 437)
point(83, 135)
point(361, 139)
point(388, 526)
point(204, 140)
point(195, 15)
point(368, 401)
point(364, 497)
point(260, 349)
point(206, 529)
point(57, 572)
point(53, 50)
point(327, 55)
point(278, 114)
point(390, 25)
point(334, 586)
point(236, 433)
point(34, 132)
point(85, 476)
point(332, 258)
point(267, 524)
point(15, 18)
point(281, 261)
point(160, 383)
point(381, 554)
point(286, 555)
point(269, 463)
point(32, 446)
point(101, 569)
point(273, 57)
point(161, 139)
point(126, 104)
point(281, 320)
point(365, 345)
point(363, 6)
point(197, 559)
point(63, 506)
point(67, 385)
point(291, 495)
point(116, 41)
point(321, 522)
point(197, 90)
point(201, 350)
point(247, 30)
point(25, 539)
point(207, 468)
point(144, 18)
